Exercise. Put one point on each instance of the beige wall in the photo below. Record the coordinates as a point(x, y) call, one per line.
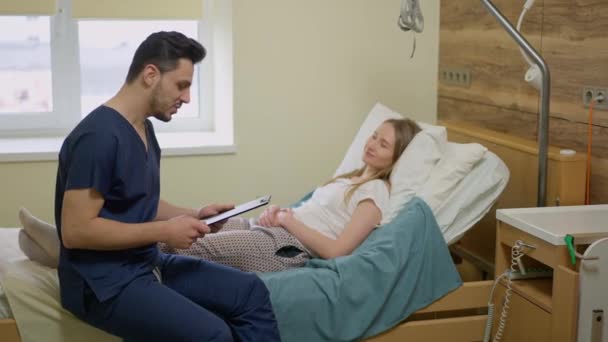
point(306, 74)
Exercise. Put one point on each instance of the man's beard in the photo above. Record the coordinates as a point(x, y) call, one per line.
point(156, 105)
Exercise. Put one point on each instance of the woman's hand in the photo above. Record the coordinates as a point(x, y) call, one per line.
point(285, 217)
point(269, 217)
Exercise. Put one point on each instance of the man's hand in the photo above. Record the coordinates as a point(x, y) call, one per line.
point(213, 209)
point(184, 230)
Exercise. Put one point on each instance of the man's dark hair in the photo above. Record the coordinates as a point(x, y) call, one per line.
point(164, 49)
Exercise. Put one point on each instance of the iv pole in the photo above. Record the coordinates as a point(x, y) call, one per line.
point(545, 91)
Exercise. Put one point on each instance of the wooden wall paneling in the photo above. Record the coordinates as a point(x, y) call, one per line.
point(488, 116)
point(471, 38)
point(573, 135)
point(599, 180)
point(562, 133)
point(575, 46)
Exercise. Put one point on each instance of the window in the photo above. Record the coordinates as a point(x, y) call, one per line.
point(106, 48)
point(61, 62)
point(28, 94)
point(25, 66)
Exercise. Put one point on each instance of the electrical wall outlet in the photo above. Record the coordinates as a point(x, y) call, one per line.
point(455, 76)
point(590, 93)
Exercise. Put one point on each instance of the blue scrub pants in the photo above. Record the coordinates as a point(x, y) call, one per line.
point(197, 301)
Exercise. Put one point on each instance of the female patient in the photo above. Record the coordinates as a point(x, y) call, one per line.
point(333, 222)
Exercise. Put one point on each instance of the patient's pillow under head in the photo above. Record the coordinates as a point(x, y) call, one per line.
point(412, 168)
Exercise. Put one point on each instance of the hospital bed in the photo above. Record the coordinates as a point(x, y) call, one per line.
point(458, 316)
point(9, 252)
point(461, 315)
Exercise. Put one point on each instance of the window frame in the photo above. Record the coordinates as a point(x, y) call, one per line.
point(203, 75)
point(210, 133)
point(51, 123)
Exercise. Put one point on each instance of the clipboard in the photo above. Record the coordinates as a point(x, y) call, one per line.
point(240, 209)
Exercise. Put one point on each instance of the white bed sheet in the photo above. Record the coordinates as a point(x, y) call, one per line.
point(33, 292)
point(9, 252)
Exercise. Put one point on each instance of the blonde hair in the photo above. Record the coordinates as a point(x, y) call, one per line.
point(405, 130)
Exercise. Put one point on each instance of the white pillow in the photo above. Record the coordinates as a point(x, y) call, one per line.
point(413, 167)
point(457, 161)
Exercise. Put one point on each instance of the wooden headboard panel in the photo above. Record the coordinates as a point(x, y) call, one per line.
point(8, 331)
point(565, 180)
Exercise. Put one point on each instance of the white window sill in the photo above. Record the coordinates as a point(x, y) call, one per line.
point(171, 144)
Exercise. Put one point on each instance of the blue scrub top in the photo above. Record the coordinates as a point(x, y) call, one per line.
point(104, 152)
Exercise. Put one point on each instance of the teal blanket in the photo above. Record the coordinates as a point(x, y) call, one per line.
point(402, 267)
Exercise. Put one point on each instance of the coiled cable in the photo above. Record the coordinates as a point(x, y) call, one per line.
point(516, 254)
